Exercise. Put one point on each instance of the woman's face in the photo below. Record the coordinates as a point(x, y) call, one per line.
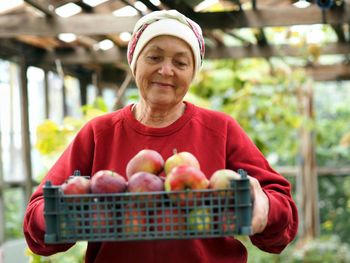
point(164, 71)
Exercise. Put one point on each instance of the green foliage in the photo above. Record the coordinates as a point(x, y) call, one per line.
point(261, 97)
point(326, 249)
point(13, 200)
point(333, 129)
point(335, 206)
point(333, 150)
point(74, 254)
point(52, 138)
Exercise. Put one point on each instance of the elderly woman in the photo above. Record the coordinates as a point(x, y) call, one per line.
point(165, 54)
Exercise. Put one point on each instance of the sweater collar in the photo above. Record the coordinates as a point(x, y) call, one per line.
point(175, 126)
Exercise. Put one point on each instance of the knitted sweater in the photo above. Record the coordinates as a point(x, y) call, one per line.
point(111, 140)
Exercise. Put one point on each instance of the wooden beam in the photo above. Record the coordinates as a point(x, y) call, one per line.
point(238, 3)
point(16, 184)
point(286, 16)
point(83, 56)
point(42, 7)
point(92, 24)
point(185, 6)
point(321, 171)
point(329, 72)
point(127, 3)
point(103, 24)
point(339, 30)
point(251, 51)
point(149, 5)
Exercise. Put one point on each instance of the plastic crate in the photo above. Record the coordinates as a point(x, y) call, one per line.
point(147, 216)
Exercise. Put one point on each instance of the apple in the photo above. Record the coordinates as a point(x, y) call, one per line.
point(106, 181)
point(200, 220)
point(226, 222)
point(134, 222)
point(183, 178)
point(221, 180)
point(145, 161)
point(102, 222)
point(76, 185)
point(169, 221)
point(143, 182)
point(181, 158)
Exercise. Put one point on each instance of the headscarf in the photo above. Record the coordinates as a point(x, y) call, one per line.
point(166, 22)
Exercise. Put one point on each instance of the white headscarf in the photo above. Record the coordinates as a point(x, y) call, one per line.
point(166, 22)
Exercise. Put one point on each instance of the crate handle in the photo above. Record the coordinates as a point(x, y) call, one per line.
point(50, 212)
point(244, 203)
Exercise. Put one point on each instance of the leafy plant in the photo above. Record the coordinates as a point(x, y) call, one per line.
point(74, 254)
point(261, 97)
point(52, 138)
point(13, 200)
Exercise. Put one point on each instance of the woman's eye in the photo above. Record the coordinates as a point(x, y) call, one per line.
point(181, 64)
point(153, 58)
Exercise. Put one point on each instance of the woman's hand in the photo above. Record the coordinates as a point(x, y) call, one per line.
point(261, 206)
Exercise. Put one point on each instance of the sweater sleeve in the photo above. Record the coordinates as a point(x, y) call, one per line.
point(77, 156)
point(282, 222)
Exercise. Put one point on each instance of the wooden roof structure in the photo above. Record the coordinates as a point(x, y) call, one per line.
point(30, 32)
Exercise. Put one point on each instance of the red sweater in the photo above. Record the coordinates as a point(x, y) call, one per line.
point(109, 141)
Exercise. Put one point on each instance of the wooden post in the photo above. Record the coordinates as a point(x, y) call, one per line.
point(46, 91)
point(25, 129)
point(121, 91)
point(61, 75)
point(307, 184)
point(96, 81)
point(2, 205)
point(83, 90)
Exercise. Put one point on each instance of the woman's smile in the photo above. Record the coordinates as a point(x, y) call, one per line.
point(162, 84)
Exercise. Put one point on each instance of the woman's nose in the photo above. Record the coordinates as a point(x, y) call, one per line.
point(166, 68)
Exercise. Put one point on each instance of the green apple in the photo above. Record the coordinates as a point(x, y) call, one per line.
point(200, 220)
point(221, 179)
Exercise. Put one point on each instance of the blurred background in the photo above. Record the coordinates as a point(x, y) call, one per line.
point(280, 67)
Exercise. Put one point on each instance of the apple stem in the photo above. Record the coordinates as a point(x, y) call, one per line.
point(174, 151)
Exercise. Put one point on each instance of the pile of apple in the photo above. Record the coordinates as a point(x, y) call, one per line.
point(144, 174)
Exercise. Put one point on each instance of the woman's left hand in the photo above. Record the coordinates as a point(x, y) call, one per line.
point(261, 206)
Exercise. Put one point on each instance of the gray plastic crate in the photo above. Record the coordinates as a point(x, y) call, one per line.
point(148, 216)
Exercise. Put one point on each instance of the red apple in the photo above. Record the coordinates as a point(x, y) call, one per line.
point(143, 182)
point(145, 161)
point(106, 181)
point(221, 180)
point(134, 222)
point(76, 185)
point(169, 221)
point(102, 222)
point(182, 178)
point(227, 221)
point(181, 158)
